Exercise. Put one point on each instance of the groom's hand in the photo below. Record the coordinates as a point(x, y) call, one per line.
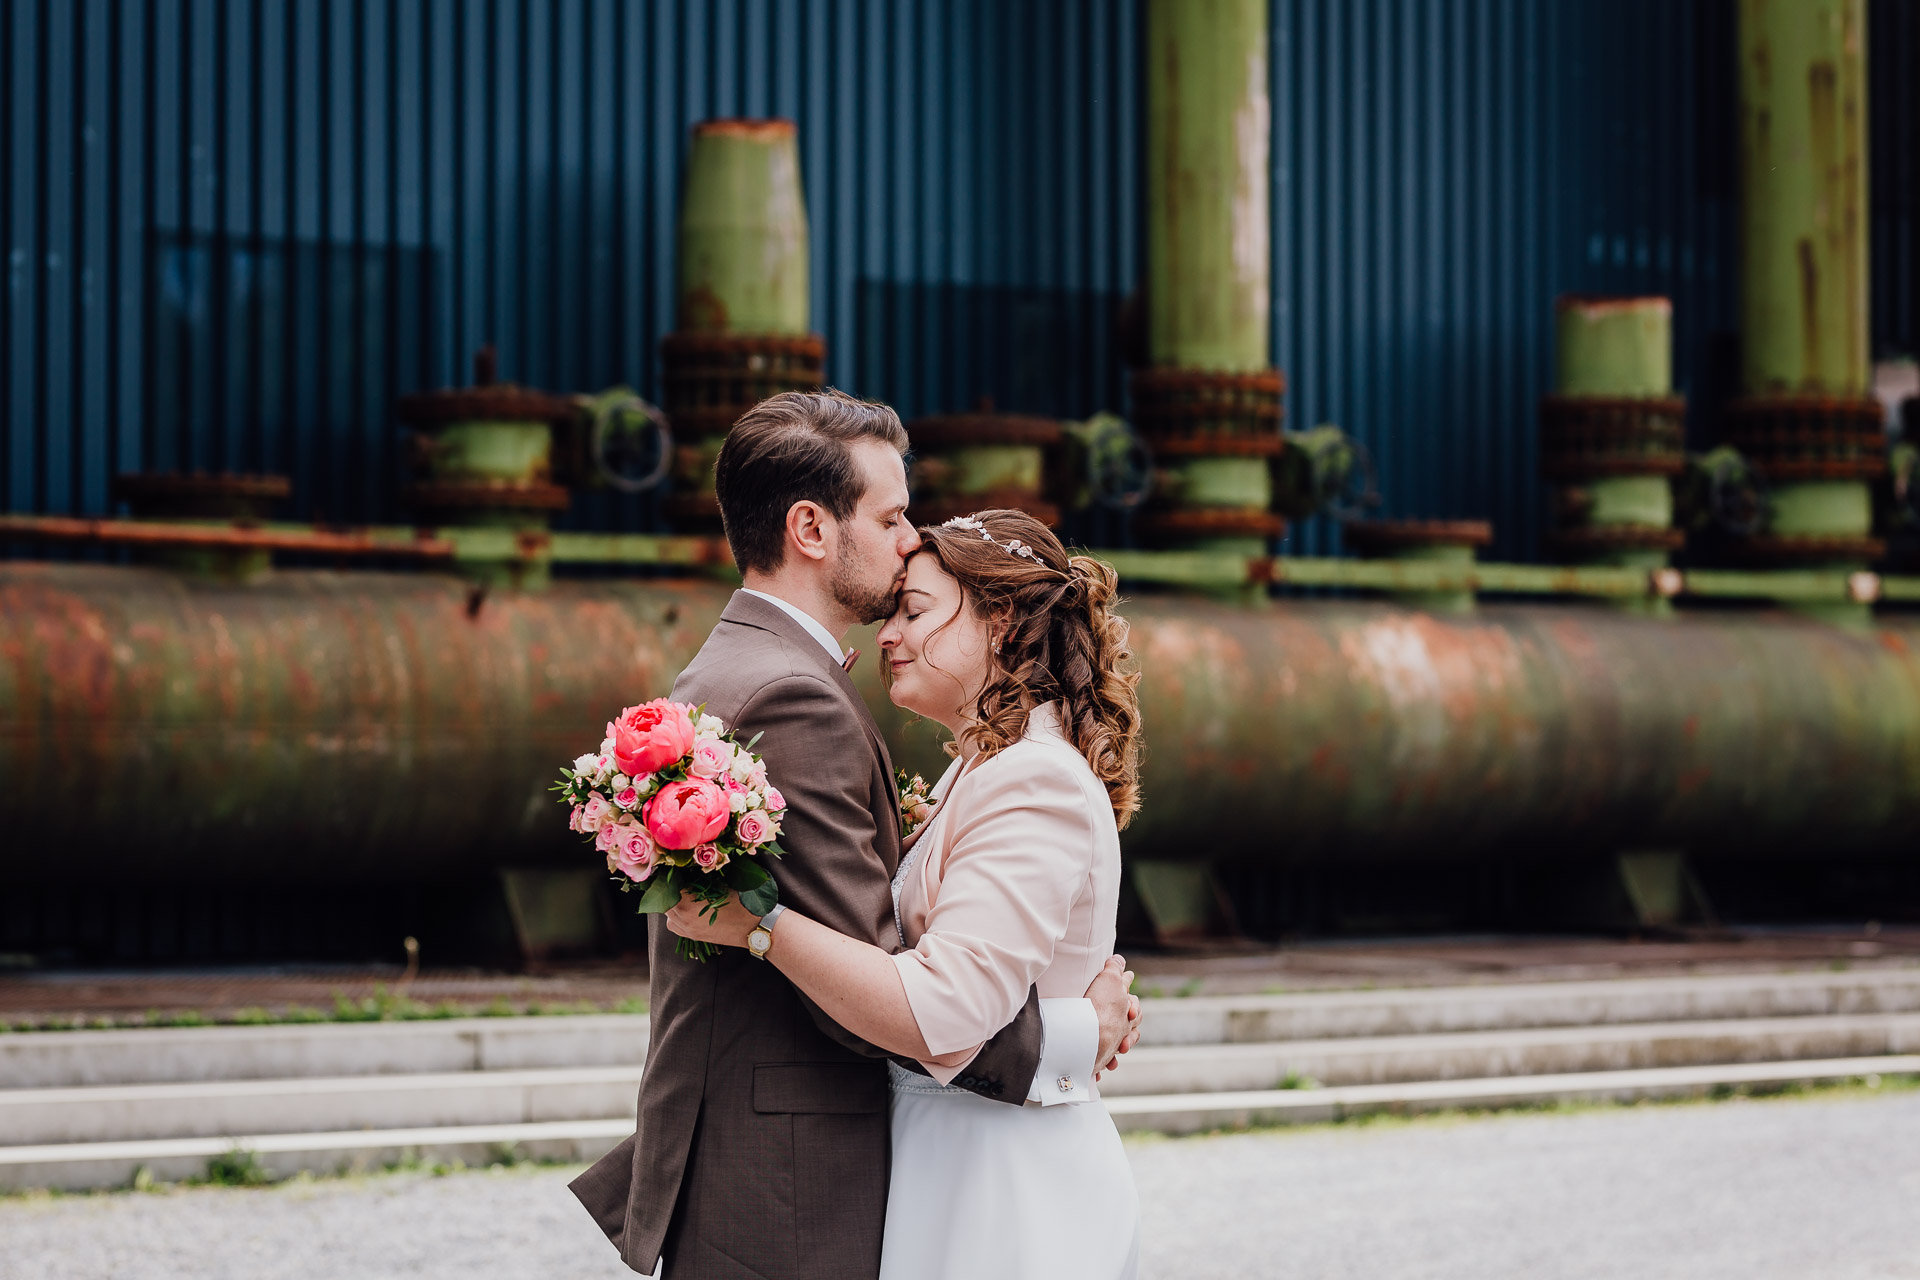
point(1119, 1012)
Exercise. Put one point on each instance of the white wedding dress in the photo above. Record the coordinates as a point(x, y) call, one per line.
point(984, 1190)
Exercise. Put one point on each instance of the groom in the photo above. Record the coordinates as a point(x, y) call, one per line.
point(762, 1145)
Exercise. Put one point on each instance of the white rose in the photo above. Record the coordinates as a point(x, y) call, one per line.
point(756, 800)
point(585, 764)
point(643, 783)
point(606, 746)
point(709, 726)
point(737, 801)
point(620, 781)
point(742, 766)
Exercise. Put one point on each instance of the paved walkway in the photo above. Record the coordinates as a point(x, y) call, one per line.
point(1789, 1189)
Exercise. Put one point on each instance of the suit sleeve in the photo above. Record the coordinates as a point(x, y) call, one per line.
point(818, 755)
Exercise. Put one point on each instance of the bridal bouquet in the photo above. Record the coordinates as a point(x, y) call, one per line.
point(679, 805)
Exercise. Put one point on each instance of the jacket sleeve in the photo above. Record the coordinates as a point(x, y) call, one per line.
point(1013, 868)
point(818, 755)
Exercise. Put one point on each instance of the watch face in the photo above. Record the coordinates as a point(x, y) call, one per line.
point(758, 941)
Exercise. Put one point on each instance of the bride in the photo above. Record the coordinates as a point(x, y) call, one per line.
point(1013, 883)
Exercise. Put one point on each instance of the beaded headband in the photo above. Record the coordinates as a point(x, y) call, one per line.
point(1013, 546)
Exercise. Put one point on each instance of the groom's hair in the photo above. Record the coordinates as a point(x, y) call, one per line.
point(794, 447)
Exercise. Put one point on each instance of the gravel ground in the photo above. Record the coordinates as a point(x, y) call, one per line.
point(1825, 1187)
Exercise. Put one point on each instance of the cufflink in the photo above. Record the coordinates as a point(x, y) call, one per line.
point(1065, 1084)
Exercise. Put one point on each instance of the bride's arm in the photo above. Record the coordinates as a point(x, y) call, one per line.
point(855, 983)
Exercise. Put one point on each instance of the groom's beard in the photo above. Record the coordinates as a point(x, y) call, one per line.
point(868, 604)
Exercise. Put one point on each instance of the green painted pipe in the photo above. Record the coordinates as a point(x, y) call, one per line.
point(1208, 239)
point(1803, 167)
point(1614, 346)
point(1219, 482)
point(325, 727)
point(743, 231)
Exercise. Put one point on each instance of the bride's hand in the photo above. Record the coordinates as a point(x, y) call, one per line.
point(693, 919)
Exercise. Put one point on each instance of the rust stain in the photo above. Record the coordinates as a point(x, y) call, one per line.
point(702, 311)
point(1809, 314)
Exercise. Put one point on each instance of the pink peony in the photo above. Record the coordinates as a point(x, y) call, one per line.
point(755, 827)
point(685, 814)
point(710, 758)
point(775, 801)
point(710, 857)
point(627, 798)
point(598, 813)
point(651, 736)
point(634, 855)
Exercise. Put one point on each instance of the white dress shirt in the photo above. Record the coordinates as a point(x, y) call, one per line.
point(807, 620)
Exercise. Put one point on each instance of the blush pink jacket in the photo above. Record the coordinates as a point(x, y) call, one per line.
point(1019, 890)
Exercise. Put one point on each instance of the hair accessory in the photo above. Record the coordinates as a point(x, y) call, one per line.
point(1013, 546)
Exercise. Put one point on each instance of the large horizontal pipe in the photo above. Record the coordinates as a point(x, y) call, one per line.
point(336, 727)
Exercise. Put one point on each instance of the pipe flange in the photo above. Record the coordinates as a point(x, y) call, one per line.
point(692, 507)
point(1614, 420)
point(975, 430)
point(1774, 549)
point(1789, 470)
point(1774, 428)
point(499, 402)
point(1204, 411)
point(483, 495)
point(1618, 537)
point(194, 486)
point(931, 511)
point(1373, 536)
point(1219, 444)
point(753, 351)
point(1595, 466)
point(1210, 522)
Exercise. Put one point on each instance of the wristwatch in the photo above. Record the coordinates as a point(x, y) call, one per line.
point(760, 941)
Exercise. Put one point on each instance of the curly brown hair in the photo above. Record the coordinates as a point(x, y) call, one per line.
point(1062, 643)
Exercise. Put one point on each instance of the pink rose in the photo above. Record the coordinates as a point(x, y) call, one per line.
point(634, 855)
point(607, 839)
point(598, 813)
point(685, 814)
point(710, 758)
point(651, 736)
point(573, 820)
point(710, 857)
point(628, 798)
point(755, 827)
point(775, 800)
point(757, 776)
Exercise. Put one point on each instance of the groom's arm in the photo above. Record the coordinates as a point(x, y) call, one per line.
point(817, 755)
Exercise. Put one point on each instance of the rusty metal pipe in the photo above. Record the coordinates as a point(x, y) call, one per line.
point(155, 533)
point(330, 727)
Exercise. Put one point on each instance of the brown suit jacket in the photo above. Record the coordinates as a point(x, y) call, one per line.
point(762, 1144)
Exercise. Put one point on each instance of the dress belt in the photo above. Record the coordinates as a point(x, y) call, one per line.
point(901, 1080)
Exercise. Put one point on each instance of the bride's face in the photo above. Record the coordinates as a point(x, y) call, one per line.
point(936, 649)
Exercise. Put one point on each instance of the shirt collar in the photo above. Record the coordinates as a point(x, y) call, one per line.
point(806, 620)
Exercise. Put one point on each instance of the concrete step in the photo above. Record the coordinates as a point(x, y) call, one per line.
point(116, 1113)
point(1340, 1014)
point(1197, 1113)
point(156, 1055)
point(1214, 1068)
point(78, 1166)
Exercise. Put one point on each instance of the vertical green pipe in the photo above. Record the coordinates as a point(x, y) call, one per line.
point(1803, 153)
point(743, 231)
point(1208, 237)
point(1614, 346)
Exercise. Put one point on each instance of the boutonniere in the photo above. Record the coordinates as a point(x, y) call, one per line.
point(915, 808)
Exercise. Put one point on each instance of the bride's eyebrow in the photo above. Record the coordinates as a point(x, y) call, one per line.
point(915, 591)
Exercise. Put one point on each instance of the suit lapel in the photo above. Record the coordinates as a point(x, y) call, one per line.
point(751, 611)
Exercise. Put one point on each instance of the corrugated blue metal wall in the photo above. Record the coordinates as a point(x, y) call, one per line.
point(238, 228)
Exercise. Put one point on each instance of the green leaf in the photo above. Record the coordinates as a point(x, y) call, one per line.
point(758, 893)
point(661, 895)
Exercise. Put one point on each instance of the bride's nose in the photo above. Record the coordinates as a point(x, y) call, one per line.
point(889, 634)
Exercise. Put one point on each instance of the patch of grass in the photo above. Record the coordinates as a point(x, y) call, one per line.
point(237, 1168)
point(382, 1006)
point(1191, 987)
point(1294, 1080)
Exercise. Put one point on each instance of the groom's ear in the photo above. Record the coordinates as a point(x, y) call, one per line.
point(807, 529)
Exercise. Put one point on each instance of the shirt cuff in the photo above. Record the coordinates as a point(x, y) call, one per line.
point(1069, 1038)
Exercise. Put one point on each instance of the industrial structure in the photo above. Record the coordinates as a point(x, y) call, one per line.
point(1629, 638)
